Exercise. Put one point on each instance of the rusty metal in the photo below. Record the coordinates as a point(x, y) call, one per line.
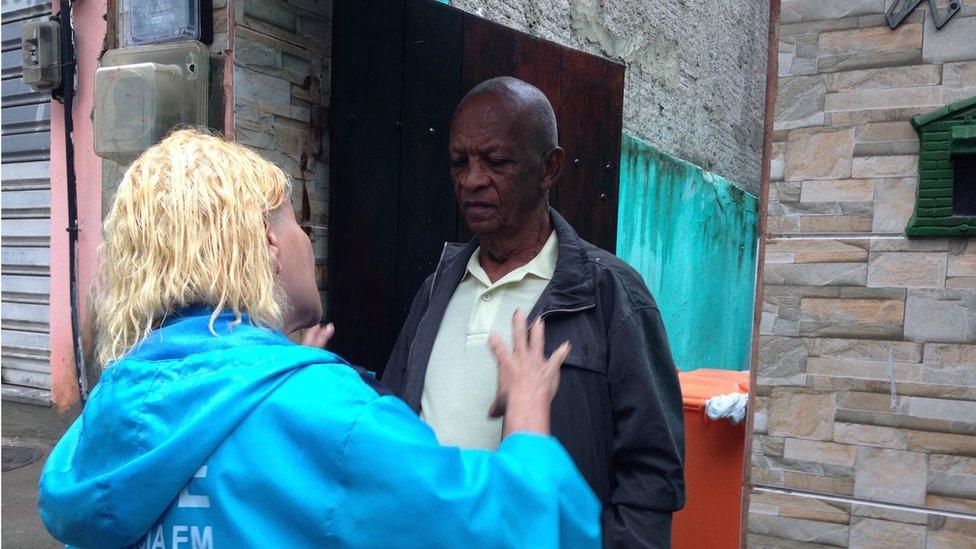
point(228, 72)
point(899, 10)
point(772, 82)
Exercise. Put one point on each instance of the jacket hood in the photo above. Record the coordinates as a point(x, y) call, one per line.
point(153, 420)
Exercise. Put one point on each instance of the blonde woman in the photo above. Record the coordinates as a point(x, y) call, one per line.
point(209, 428)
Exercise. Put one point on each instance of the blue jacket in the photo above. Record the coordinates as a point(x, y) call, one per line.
point(246, 439)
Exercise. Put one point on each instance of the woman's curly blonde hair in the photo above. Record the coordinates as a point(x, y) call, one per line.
point(188, 226)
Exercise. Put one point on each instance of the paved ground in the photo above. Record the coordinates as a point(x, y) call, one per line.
point(38, 427)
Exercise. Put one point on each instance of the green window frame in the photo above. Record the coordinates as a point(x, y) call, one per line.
point(947, 144)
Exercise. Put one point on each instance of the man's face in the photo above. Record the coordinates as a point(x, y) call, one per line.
point(295, 262)
point(496, 175)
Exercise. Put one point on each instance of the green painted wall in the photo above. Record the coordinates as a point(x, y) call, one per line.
point(693, 236)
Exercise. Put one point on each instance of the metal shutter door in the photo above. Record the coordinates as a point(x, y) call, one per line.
point(25, 180)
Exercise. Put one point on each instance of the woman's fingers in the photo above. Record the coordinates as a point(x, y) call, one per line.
point(497, 408)
point(318, 336)
point(327, 334)
point(498, 348)
point(519, 331)
point(525, 373)
point(502, 357)
point(537, 338)
point(559, 355)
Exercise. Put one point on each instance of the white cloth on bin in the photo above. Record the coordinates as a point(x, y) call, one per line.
point(731, 406)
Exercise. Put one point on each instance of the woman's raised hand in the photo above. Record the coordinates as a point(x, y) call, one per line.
point(527, 380)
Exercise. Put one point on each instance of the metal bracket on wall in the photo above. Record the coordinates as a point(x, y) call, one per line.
point(900, 9)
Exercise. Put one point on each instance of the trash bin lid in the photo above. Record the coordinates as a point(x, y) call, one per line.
point(700, 385)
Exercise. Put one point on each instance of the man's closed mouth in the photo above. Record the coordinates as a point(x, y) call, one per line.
point(479, 208)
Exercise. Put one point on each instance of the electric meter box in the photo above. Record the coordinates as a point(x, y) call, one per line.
point(155, 21)
point(41, 43)
point(142, 93)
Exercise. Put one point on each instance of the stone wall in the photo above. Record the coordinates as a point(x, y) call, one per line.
point(866, 392)
point(281, 82)
point(696, 71)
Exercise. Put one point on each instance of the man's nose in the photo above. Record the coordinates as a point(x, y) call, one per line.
point(475, 177)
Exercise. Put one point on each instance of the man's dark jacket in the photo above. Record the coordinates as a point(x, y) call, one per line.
point(618, 411)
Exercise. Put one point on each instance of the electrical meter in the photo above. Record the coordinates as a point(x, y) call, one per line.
point(142, 93)
point(157, 21)
point(41, 47)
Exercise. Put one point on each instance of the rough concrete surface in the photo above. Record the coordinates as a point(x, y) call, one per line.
point(22, 526)
point(38, 427)
point(696, 71)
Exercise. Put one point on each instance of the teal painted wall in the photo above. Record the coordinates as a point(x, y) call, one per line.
point(692, 235)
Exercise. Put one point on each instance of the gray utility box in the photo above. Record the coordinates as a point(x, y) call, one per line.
point(41, 43)
point(142, 93)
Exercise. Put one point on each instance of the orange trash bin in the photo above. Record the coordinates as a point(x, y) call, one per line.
point(714, 453)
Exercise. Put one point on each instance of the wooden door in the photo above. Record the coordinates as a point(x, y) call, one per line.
point(400, 67)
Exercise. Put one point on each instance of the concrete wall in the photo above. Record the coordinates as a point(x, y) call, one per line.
point(695, 70)
point(692, 235)
point(866, 392)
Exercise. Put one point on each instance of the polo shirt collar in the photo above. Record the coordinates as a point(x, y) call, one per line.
point(543, 265)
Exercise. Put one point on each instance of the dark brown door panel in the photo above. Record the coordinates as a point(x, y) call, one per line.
point(399, 69)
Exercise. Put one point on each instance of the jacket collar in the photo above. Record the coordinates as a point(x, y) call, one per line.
point(571, 286)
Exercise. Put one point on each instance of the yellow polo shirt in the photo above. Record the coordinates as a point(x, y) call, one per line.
point(462, 376)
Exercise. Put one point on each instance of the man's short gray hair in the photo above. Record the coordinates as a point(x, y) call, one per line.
point(535, 109)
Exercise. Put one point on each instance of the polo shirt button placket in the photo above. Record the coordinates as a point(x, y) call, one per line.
point(486, 297)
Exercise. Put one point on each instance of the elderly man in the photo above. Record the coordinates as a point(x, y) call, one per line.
point(618, 410)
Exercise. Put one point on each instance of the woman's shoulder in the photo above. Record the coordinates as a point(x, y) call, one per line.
point(326, 391)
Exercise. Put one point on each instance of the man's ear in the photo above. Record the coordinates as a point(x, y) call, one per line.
point(552, 168)
point(275, 248)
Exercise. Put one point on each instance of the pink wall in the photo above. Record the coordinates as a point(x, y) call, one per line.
point(89, 19)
